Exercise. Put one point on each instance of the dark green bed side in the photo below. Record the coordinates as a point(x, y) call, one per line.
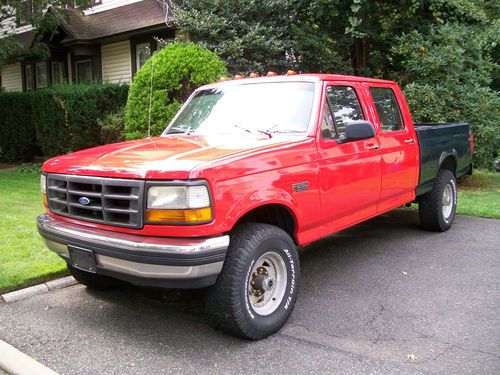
point(445, 145)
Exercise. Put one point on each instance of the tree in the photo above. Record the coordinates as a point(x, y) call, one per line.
point(250, 36)
point(445, 51)
point(15, 13)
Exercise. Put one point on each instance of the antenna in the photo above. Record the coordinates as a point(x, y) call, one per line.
point(150, 96)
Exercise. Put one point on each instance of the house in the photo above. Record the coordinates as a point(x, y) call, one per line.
point(108, 42)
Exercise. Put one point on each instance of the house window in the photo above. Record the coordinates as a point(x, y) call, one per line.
point(57, 72)
point(41, 75)
point(30, 82)
point(142, 54)
point(84, 71)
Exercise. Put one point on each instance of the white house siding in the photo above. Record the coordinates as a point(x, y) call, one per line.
point(12, 79)
point(116, 62)
point(109, 4)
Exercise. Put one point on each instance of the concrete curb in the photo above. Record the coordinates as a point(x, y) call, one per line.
point(15, 362)
point(39, 289)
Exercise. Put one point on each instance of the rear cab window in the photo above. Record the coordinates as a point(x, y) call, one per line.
point(387, 108)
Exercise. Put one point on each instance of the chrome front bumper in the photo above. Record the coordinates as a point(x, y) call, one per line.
point(141, 260)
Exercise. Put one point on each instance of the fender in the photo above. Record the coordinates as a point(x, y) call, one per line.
point(261, 198)
point(447, 153)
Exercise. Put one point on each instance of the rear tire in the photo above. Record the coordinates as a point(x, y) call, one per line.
point(94, 281)
point(257, 288)
point(438, 207)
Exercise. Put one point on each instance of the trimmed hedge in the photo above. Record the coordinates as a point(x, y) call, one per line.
point(17, 131)
point(56, 120)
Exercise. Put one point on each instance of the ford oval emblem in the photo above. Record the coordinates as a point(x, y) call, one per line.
point(84, 201)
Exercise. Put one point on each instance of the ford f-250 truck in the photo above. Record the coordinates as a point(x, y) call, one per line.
point(246, 172)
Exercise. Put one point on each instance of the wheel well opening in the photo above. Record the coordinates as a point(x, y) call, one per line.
point(449, 164)
point(274, 214)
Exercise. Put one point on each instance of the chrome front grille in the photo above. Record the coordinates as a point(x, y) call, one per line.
point(109, 201)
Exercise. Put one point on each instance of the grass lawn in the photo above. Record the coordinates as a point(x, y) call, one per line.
point(479, 195)
point(24, 259)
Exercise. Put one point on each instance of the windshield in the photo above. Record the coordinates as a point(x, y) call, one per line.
point(269, 108)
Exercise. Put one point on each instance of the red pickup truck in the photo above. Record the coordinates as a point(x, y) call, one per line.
point(246, 172)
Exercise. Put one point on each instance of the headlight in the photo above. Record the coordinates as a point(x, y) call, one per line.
point(178, 204)
point(43, 188)
point(43, 184)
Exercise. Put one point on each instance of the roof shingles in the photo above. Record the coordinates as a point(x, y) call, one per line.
point(139, 15)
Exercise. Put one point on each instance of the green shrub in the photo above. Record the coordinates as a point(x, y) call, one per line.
point(112, 127)
point(451, 70)
point(177, 70)
point(17, 132)
point(60, 119)
point(65, 117)
point(479, 106)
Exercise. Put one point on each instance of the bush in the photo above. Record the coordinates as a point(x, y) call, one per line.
point(61, 119)
point(112, 127)
point(451, 71)
point(17, 140)
point(177, 70)
point(479, 106)
point(66, 117)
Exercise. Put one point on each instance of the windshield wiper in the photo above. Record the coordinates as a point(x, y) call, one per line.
point(285, 131)
point(253, 130)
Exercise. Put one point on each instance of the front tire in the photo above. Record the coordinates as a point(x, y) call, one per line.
point(257, 288)
point(438, 207)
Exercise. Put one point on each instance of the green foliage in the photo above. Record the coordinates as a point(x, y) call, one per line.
point(451, 70)
point(65, 117)
point(28, 168)
point(177, 70)
point(15, 12)
point(248, 35)
point(57, 120)
point(444, 53)
point(17, 140)
point(112, 127)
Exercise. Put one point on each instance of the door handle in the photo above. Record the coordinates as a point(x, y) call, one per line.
point(372, 147)
point(409, 140)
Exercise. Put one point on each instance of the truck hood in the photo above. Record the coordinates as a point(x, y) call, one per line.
point(171, 157)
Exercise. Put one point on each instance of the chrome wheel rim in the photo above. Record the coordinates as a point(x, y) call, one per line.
point(447, 201)
point(267, 283)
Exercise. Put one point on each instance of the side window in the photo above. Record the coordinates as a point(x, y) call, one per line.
point(387, 109)
point(327, 127)
point(345, 106)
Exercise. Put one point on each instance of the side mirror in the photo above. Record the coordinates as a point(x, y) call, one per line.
point(356, 131)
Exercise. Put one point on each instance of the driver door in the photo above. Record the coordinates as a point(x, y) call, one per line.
point(350, 173)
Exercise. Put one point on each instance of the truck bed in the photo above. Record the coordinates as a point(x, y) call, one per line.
point(437, 142)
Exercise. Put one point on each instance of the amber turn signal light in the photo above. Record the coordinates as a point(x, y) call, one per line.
point(45, 201)
point(200, 215)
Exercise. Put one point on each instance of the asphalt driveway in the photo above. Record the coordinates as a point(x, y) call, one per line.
point(381, 298)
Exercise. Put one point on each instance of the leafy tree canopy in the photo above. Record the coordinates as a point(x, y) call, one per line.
point(16, 13)
point(444, 53)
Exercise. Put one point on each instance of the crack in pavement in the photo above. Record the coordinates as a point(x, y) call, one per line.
point(452, 345)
